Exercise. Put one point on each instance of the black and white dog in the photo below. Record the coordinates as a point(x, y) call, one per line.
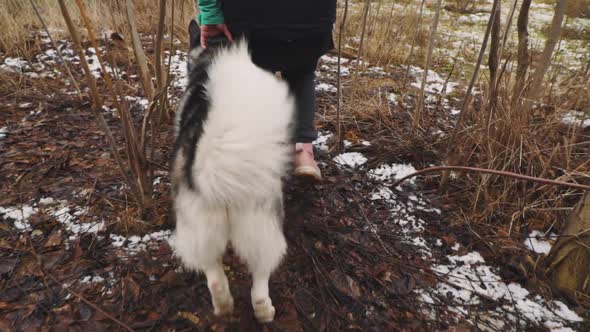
point(232, 133)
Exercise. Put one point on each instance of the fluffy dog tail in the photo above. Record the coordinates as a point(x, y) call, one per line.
point(243, 149)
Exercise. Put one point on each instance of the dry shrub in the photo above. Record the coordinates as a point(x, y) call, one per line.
point(389, 33)
point(465, 6)
point(574, 8)
point(535, 144)
point(568, 32)
point(578, 8)
point(18, 21)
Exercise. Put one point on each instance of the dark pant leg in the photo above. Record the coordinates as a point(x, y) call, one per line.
point(302, 87)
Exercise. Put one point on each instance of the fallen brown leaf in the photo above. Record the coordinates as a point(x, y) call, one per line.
point(194, 319)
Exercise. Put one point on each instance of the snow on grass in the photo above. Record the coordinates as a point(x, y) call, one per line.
point(69, 55)
point(404, 214)
point(350, 159)
point(108, 281)
point(325, 87)
point(321, 143)
point(179, 69)
point(135, 244)
point(434, 83)
point(19, 215)
point(387, 173)
point(91, 279)
point(3, 132)
point(467, 282)
point(537, 242)
point(15, 65)
point(44, 201)
point(576, 118)
point(333, 59)
point(392, 97)
point(142, 103)
point(382, 193)
point(477, 18)
point(94, 64)
point(70, 218)
point(377, 71)
point(344, 71)
point(51, 57)
point(411, 227)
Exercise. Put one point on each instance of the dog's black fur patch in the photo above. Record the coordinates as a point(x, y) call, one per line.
point(195, 109)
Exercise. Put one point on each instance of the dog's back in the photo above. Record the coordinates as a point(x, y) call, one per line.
point(244, 112)
point(232, 149)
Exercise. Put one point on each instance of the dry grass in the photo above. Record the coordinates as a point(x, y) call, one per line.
point(534, 144)
point(390, 31)
point(18, 21)
point(575, 8)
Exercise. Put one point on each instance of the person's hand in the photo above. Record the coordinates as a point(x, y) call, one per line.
point(208, 31)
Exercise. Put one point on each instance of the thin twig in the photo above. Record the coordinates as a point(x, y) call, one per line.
point(491, 171)
point(338, 78)
point(428, 61)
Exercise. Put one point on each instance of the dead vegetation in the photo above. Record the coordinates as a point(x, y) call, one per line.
point(510, 120)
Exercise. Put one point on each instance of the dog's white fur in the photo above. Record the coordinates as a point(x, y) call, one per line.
point(240, 159)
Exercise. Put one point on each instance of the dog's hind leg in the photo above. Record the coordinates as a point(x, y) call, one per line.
point(200, 240)
point(257, 237)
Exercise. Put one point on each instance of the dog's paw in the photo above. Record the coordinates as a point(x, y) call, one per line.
point(223, 302)
point(264, 310)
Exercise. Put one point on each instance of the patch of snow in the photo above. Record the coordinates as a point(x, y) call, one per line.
point(365, 143)
point(350, 159)
point(135, 244)
point(377, 70)
point(382, 193)
point(20, 216)
point(477, 18)
point(15, 65)
point(69, 218)
point(467, 281)
point(157, 181)
point(3, 132)
point(109, 110)
point(179, 68)
point(540, 14)
point(537, 242)
point(392, 97)
point(325, 87)
point(321, 143)
point(434, 82)
point(576, 118)
point(334, 59)
point(47, 201)
point(94, 64)
point(91, 279)
point(142, 103)
point(344, 71)
point(386, 173)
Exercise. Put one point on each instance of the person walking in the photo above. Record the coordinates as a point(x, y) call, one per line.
point(286, 36)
